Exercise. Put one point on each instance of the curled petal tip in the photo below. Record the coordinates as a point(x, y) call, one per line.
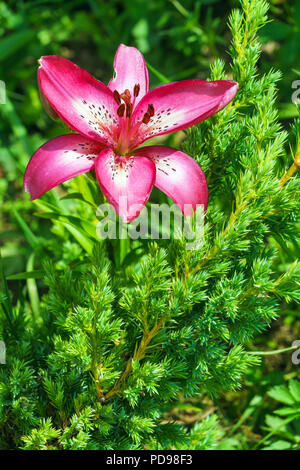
point(229, 94)
point(235, 85)
point(26, 189)
point(41, 60)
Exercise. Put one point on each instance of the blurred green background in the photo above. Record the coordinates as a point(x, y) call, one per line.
point(180, 39)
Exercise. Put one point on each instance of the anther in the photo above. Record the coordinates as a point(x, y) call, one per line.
point(126, 96)
point(120, 110)
point(146, 118)
point(128, 110)
point(150, 110)
point(117, 97)
point(136, 90)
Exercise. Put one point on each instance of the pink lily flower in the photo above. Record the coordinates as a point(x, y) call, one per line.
point(111, 123)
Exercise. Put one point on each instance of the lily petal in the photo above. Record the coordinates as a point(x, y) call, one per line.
point(59, 160)
point(85, 104)
point(178, 176)
point(126, 182)
point(47, 107)
point(179, 105)
point(130, 70)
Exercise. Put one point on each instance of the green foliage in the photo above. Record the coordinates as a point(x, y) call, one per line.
point(110, 335)
point(284, 429)
point(281, 39)
point(280, 424)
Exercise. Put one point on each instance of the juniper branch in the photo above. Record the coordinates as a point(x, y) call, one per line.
point(294, 168)
point(138, 354)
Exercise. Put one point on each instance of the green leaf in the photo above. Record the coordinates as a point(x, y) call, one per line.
point(8, 308)
point(273, 422)
point(85, 227)
point(294, 388)
point(80, 236)
point(287, 411)
point(278, 445)
point(84, 188)
point(18, 129)
point(79, 197)
point(30, 237)
point(251, 408)
point(46, 206)
point(159, 75)
point(35, 274)
point(32, 289)
point(281, 393)
point(15, 41)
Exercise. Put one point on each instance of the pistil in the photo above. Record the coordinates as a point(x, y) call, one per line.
point(128, 134)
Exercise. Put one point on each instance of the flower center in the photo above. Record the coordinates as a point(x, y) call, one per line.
point(127, 132)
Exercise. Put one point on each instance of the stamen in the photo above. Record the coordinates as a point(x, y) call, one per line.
point(136, 90)
point(126, 96)
point(146, 118)
point(128, 110)
point(117, 97)
point(105, 129)
point(150, 110)
point(120, 110)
